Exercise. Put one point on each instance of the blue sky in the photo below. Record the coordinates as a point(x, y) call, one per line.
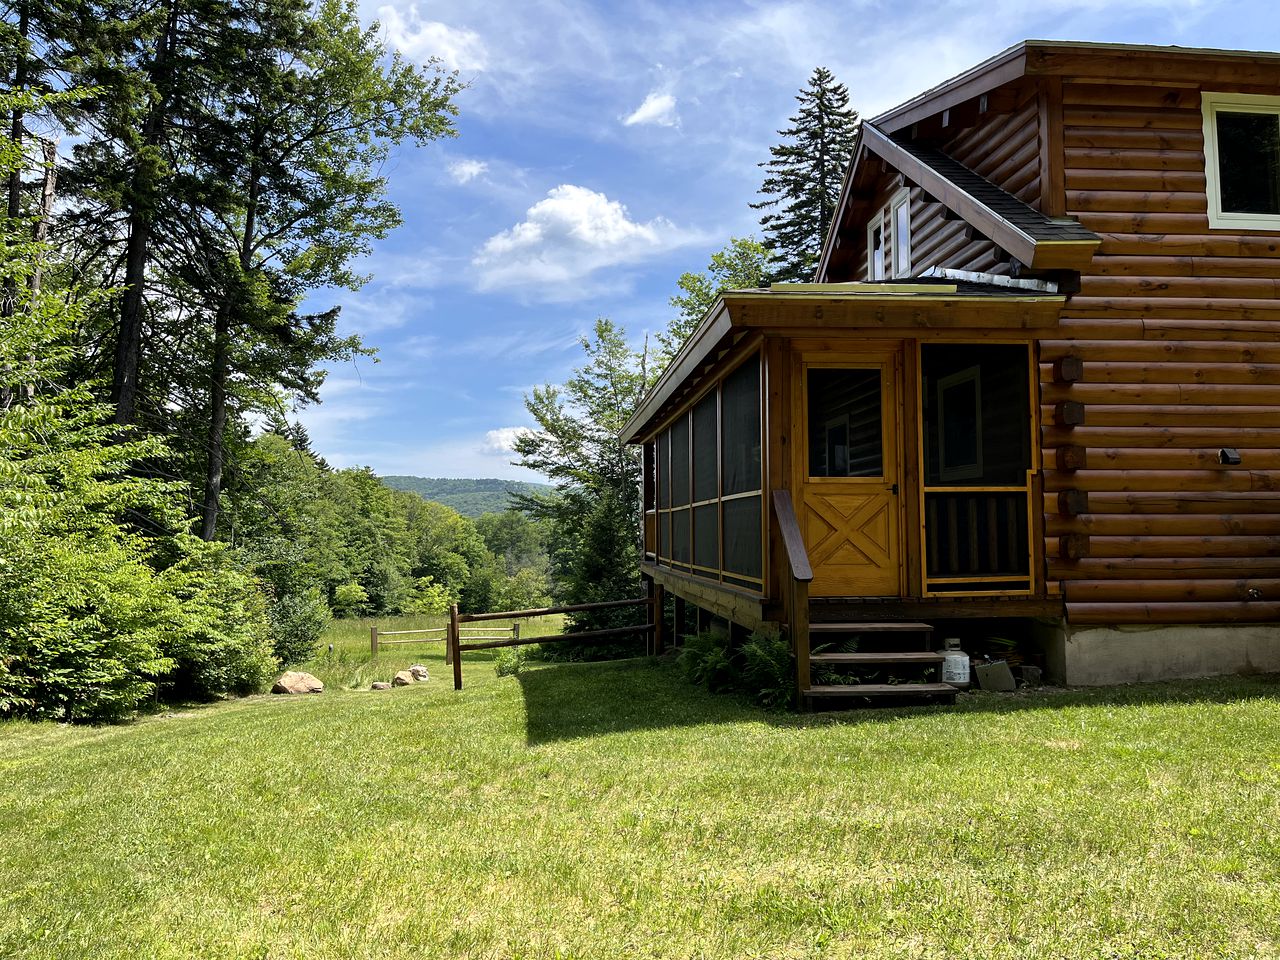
point(603, 150)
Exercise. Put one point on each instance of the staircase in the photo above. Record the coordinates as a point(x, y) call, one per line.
point(873, 664)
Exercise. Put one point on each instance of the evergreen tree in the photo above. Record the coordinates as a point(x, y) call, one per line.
point(804, 174)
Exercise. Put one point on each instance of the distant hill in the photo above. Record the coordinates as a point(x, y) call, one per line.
point(470, 498)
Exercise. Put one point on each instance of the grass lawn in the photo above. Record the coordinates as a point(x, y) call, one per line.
point(610, 810)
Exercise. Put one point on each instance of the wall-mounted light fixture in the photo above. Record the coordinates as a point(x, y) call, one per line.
point(1229, 456)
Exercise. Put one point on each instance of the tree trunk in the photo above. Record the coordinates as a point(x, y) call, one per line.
point(124, 387)
point(217, 421)
point(221, 368)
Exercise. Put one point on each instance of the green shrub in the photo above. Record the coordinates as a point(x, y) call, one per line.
point(298, 620)
point(220, 641)
point(350, 600)
point(510, 661)
point(762, 670)
point(768, 669)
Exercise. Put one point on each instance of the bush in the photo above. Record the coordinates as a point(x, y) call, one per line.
point(298, 620)
point(430, 597)
point(762, 669)
point(220, 641)
point(350, 600)
point(510, 661)
point(768, 669)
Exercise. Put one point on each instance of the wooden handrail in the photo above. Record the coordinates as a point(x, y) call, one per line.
point(792, 541)
point(798, 593)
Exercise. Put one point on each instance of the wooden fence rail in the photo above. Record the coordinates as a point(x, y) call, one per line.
point(454, 636)
point(376, 640)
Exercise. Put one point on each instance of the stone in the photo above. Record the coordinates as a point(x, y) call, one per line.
point(295, 681)
point(380, 685)
point(419, 672)
point(402, 679)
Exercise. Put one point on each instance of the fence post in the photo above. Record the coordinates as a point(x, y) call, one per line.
point(659, 619)
point(373, 640)
point(515, 630)
point(453, 644)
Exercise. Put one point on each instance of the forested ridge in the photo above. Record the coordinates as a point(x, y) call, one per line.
point(471, 498)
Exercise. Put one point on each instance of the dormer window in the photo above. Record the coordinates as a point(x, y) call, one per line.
point(1242, 160)
point(889, 239)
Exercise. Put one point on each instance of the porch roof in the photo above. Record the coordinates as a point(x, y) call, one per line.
point(892, 308)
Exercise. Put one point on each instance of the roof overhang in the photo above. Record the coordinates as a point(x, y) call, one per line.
point(884, 309)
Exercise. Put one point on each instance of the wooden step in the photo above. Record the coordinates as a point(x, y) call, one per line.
point(881, 690)
point(891, 626)
point(893, 657)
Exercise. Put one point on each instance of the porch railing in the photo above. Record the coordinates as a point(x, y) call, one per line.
point(798, 576)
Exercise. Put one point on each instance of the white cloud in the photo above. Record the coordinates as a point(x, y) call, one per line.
point(568, 236)
point(658, 109)
point(457, 47)
point(464, 171)
point(503, 440)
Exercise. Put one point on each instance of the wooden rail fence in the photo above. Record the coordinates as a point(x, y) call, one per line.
point(439, 635)
point(654, 628)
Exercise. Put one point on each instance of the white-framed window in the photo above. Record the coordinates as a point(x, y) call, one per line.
point(889, 239)
point(900, 217)
point(1242, 160)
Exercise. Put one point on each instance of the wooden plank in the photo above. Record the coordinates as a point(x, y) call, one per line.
point(1153, 547)
point(1149, 351)
point(585, 635)
point(1129, 241)
point(1243, 438)
point(1148, 394)
point(1172, 415)
point(881, 690)
point(1201, 611)
point(1156, 481)
point(1147, 267)
point(1178, 502)
point(1174, 568)
point(797, 556)
point(1132, 181)
point(910, 656)
point(1145, 371)
point(1100, 160)
point(548, 611)
point(870, 626)
point(1158, 525)
point(1241, 589)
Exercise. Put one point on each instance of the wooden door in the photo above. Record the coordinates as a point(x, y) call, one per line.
point(849, 471)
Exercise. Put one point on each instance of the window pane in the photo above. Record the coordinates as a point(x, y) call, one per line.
point(706, 536)
point(705, 485)
point(1249, 162)
point(650, 475)
point(742, 536)
point(902, 239)
point(680, 535)
point(877, 253)
point(844, 423)
point(680, 462)
point(664, 536)
point(740, 434)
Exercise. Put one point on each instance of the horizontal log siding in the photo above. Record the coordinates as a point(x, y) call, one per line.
point(1177, 327)
point(1001, 146)
point(1004, 148)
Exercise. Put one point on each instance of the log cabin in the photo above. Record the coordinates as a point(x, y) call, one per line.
point(1033, 387)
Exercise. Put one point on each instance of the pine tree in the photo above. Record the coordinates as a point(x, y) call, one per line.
point(802, 186)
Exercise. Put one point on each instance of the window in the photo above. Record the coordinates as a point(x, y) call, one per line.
point(1242, 160)
point(889, 239)
point(875, 249)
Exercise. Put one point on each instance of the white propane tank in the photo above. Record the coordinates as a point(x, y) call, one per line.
point(955, 664)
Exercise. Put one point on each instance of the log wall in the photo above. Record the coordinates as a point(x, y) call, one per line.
point(1176, 327)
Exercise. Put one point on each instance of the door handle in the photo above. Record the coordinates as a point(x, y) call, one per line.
point(894, 489)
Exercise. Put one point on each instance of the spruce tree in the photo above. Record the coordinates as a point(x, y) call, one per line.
point(804, 173)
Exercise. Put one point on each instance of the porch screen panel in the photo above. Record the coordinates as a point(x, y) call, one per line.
point(664, 469)
point(706, 536)
point(845, 423)
point(705, 482)
point(680, 462)
point(740, 429)
point(680, 536)
point(742, 535)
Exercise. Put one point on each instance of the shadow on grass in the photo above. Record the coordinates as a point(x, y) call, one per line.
point(570, 700)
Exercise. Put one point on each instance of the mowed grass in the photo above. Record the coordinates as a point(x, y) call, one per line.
point(611, 810)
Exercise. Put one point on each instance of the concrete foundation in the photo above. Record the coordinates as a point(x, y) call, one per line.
point(1094, 656)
